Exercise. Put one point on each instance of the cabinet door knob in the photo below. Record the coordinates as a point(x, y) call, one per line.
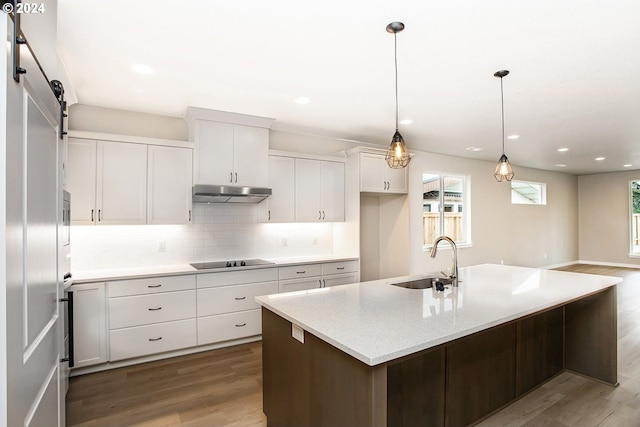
point(319, 214)
point(301, 272)
point(153, 286)
point(231, 177)
point(339, 268)
point(240, 298)
point(92, 215)
point(155, 339)
point(269, 215)
point(189, 215)
point(155, 309)
point(236, 181)
point(241, 325)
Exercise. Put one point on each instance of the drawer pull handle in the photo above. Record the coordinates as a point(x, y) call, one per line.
point(241, 325)
point(240, 298)
point(155, 339)
point(301, 272)
point(153, 286)
point(340, 268)
point(155, 309)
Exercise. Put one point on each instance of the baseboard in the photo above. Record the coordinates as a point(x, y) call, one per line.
point(562, 264)
point(610, 264)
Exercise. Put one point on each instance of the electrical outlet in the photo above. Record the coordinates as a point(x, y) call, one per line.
point(297, 332)
point(162, 246)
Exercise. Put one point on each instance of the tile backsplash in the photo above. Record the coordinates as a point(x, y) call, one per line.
point(218, 232)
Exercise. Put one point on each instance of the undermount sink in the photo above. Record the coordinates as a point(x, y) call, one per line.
point(425, 283)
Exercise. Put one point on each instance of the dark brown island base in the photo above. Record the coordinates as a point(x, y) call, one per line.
point(457, 382)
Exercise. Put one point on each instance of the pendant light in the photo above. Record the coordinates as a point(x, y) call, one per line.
point(503, 170)
point(398, 156)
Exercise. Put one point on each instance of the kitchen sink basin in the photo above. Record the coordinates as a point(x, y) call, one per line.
point(424, 283)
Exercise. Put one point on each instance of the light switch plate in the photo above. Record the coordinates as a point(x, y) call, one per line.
point(297, 332)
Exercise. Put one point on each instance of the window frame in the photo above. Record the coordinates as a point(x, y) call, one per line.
point(466, 207)
point(543, 192)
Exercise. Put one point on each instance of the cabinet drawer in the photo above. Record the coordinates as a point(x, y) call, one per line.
point(299, 284)
point(339, 279)
point(145, 309)
point(298, 271)
point(150, 339)
point(224, 327)
point(150, 285)
point(237, 277)
point(340, 267)
point(227, 299)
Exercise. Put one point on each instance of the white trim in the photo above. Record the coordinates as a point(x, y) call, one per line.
point(562, 264)
point(160, 356)
point(293, 154)
point(129, 138)
point(609, 264)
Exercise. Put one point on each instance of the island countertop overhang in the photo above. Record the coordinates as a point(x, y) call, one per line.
point(376, 322)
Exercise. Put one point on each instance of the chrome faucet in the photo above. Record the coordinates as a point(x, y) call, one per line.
point(454, 268)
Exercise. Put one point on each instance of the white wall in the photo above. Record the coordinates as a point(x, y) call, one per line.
point(604, 217)
point(108, 120)
point(525, 235)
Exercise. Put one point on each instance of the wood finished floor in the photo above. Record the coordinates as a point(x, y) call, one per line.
point(224, 387)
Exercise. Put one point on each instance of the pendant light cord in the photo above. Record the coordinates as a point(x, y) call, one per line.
point(502, 104)
point(395, 57)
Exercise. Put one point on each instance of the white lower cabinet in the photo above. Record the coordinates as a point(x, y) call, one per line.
point(89, 324)
point(151, 315)
point(229, 326)
point(127, 319)
point(310, 276)
point(150, 339)
point(226, 306)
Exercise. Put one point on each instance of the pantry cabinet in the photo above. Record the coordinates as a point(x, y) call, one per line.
point(319, 190)
point(377, 177)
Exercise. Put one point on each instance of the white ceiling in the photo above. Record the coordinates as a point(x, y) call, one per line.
point(574, 82)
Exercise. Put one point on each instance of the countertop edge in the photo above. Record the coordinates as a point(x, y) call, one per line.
point(106, 275)
point(383, 358)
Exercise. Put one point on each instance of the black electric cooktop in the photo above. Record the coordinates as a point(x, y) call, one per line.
point(229, 264)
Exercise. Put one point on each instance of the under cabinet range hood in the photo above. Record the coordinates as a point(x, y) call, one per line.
point(229, 194)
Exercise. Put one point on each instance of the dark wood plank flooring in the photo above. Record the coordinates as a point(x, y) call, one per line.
point(224, 387)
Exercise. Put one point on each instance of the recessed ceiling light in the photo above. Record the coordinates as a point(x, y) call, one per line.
point(513, 137)
point(302, 100)
point(406, 122)
point(600, 158)
point(563, 149)
point(142, 69)
point(628, 165)
point(473, 149)
point(561, 165)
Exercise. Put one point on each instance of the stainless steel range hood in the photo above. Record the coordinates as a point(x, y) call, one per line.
point(229, 194)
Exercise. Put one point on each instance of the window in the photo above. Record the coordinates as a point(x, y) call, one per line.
point(634, 191)
point(445, 207)
point(528, 193)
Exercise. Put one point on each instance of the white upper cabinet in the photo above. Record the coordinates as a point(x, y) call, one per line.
point(115, 182)
point(121, 195)
point(107, 181)
point(170, 181)
point(280, 206)
point(377, 177)
point(81, 179)
point(319, 190)
point(230, 149)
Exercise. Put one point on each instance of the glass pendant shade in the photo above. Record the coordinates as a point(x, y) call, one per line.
point(503, 170)
point(398, 156)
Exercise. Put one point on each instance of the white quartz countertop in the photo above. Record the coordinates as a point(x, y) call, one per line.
point(101, 275)
point(376, 322)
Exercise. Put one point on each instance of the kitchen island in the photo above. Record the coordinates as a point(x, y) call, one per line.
point(374, 354)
